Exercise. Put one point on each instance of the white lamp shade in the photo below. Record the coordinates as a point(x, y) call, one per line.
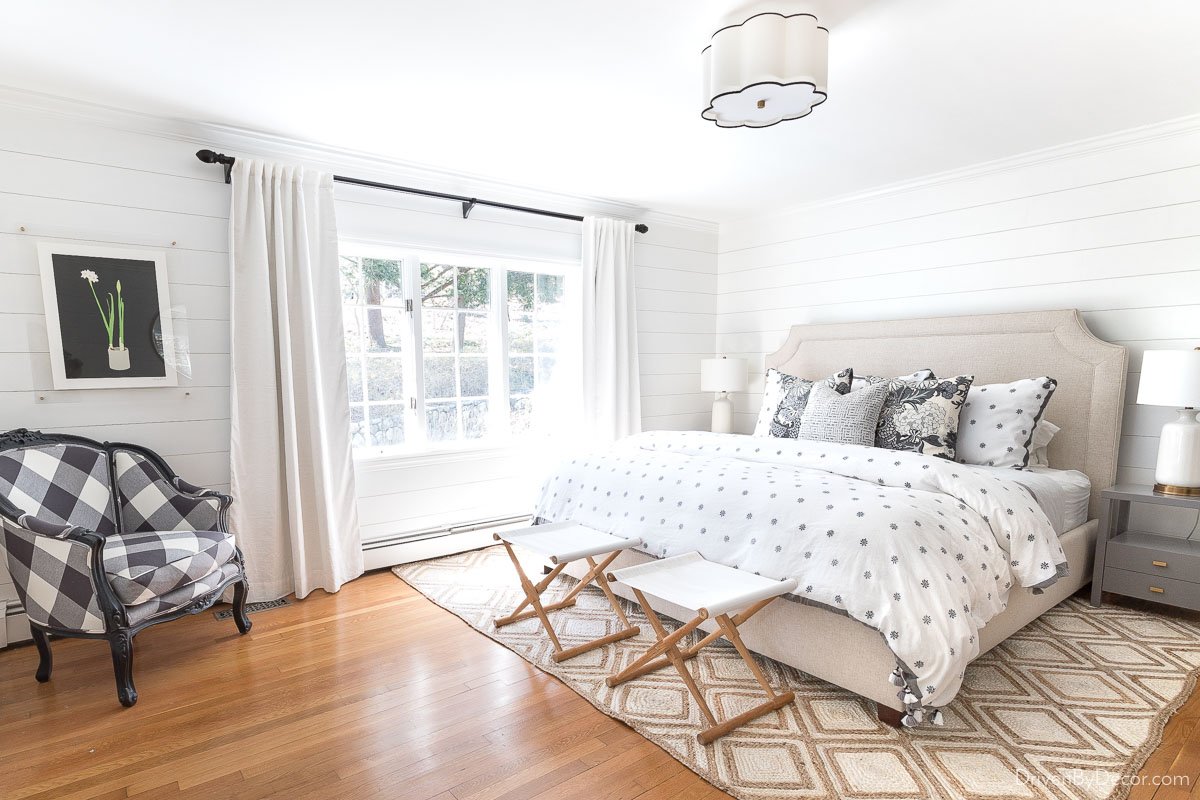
point(770, 68)
point(1170, 378)
point(722, 374)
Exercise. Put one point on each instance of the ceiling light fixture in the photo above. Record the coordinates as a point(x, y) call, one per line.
point(766, 69)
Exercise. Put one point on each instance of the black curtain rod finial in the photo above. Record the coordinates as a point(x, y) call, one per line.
point(641, 228)
point(211, 157)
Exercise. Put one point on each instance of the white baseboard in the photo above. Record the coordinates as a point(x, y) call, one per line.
point(433, 547)
point(16, 625)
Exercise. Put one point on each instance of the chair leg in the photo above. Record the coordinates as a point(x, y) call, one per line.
point(239, 606)
point(46, 661)
point(121, 644)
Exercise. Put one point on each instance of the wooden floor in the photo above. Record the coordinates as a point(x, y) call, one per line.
point(370, 693)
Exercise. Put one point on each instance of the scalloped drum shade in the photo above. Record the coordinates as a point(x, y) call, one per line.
point(770, 68)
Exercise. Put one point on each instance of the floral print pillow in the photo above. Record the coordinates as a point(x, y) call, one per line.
point(785, 397)
point(922, 416)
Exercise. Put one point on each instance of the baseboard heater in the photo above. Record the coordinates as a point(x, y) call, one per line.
point(434, 533)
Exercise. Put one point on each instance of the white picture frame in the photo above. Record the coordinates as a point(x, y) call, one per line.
point(108, 316)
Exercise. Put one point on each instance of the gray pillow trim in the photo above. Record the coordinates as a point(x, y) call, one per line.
point(1050, 386)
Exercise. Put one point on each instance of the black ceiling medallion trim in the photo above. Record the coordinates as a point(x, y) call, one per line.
point(824, 97)
point(763, 14)
point(468, 203)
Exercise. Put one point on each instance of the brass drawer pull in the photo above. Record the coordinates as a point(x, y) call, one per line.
point(1159, 563)
point(1156, 589)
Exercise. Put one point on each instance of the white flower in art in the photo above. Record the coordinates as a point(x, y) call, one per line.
point(92, 277)
point(920, 420)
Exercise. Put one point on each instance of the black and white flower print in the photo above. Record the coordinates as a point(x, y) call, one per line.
point(785, 398)
point(999, 421)
point(889, 538)
point(922, 416)
point(863, 381)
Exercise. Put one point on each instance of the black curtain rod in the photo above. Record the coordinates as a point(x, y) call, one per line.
point(468, 203)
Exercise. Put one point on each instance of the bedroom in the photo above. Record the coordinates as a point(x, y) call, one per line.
point(437, 262)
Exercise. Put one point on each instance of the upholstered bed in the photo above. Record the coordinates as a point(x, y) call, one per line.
point(996, 348)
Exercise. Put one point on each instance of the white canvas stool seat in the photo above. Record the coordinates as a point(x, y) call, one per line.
point(710, 590)
point(562, 543)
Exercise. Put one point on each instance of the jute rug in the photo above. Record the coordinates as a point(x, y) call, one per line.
point(1069, 707)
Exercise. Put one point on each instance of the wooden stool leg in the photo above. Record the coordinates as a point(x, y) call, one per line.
point(775, 702)
point(534, 598)
point(602, 582)
point(517, 615)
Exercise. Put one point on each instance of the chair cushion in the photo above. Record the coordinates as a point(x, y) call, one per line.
point(182, 596)
point(143, 566)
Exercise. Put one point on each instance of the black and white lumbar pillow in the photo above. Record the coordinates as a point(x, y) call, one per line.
point(999, 420)
point(784, 399)
point(922, 416)
point(844, 418)
point(862, 381)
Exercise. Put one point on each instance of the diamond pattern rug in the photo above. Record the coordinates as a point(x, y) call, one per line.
point(1069, 707)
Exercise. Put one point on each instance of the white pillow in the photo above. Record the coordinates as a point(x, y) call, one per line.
point(1042, 434)
point(999, 419)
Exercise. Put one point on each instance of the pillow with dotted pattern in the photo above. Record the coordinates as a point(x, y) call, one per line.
point(843, 418)
point(784, 399)
point(999, 419)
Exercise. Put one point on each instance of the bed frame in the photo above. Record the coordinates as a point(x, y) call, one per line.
point(996, 348)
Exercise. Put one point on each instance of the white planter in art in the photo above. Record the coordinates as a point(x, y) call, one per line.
point(118, 358)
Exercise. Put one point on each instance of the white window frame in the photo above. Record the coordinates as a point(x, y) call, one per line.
point(417, 446)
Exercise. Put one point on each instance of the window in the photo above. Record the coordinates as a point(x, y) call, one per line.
point(450, 351)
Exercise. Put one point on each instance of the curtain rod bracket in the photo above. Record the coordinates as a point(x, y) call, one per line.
point(468, 207)
point(210, 157)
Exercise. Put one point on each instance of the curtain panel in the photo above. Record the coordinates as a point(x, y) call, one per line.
point(294, 514)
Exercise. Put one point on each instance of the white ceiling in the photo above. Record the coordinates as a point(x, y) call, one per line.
point(602, 99)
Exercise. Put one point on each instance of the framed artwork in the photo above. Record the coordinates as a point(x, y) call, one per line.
point(108, 316)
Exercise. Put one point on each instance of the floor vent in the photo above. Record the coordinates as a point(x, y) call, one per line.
point(254, 608)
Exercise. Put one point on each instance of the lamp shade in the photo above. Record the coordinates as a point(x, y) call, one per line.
point(1170, 378)
point(766, 69)
point(722, 374)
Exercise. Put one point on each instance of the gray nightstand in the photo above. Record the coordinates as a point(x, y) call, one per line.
point(1165, 569)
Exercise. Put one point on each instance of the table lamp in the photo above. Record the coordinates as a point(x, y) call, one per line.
point(723, 375)
point(1172, 378)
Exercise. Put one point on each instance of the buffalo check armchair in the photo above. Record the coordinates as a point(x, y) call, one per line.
point(104, 539)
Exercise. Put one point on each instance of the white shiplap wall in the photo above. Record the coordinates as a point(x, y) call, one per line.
point(1111, 228)
point(67, 177)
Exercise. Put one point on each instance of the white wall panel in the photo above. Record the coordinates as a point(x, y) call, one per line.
point(70, 181)
point(1114, 233)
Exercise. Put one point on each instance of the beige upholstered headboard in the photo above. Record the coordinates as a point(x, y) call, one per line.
point(995, 348)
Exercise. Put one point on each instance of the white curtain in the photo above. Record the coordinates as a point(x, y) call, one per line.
point(612, 401)
point(294, 511)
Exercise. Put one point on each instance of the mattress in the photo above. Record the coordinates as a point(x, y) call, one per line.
point(1062, 494)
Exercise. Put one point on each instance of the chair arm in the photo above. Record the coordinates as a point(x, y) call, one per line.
point(71, 592)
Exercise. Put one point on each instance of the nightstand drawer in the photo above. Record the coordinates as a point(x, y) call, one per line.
point(1157, 556)
point(1148, 587)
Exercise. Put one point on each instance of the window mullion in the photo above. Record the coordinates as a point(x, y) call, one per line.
point(415, 405)
point(498, 356)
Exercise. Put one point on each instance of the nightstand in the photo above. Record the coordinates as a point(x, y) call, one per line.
point(1165, 569)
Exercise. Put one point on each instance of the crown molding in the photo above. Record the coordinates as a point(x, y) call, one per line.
point(238, 141)
point(1180, 126)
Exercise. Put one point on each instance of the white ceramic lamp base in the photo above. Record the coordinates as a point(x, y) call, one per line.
point(1178, 469)
point(722, 414)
